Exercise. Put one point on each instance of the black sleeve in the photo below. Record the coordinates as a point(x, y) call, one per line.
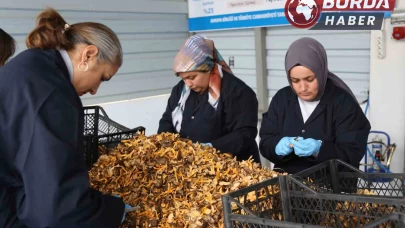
point(166, 122)
point(269, 132)
point(241, 116)
point(56, 191)
point(352, 130)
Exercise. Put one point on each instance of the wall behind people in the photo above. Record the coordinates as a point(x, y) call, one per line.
point(144, 112)
point(237, 47)
point(150, 44)
point(151, 32)
point(387, 103)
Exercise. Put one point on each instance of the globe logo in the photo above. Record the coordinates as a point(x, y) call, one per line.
point(302, 13)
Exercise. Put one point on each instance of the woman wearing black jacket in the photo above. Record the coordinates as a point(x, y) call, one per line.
point(43, 177)
point(316, 118)
point(210, 105)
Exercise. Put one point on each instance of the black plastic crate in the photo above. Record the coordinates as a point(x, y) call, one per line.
point(287, 202)
point(396, 220)
point(101, 134)
point(97, 122)
point(260, 205)
point(336, 176)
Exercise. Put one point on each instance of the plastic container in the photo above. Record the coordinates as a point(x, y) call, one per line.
point(396, 220)
point(102, 132)
point(336, 176)
point(286, 201)
point(97, 122)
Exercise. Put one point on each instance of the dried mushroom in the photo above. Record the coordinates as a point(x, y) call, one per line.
point(176, 183)
point(345, 213)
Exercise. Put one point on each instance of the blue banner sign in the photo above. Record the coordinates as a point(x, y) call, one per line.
point(231, 14)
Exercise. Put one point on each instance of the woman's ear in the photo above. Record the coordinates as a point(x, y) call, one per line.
point(89, 52)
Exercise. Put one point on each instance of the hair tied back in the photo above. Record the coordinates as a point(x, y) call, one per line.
point(67, 27)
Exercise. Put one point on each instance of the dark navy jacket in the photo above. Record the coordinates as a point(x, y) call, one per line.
point(232, 128)
point(43, 177)
point(337, 120)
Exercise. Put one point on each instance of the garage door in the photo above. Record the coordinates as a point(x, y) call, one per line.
point(348, 56)
point(151, 34)
point(237, 47)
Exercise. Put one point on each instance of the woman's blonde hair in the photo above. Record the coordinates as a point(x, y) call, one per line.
point(52, 32)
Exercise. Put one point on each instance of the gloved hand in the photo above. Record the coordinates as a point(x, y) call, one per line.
point(306, 147)
point(283, 147)
point(206, 144)
point(127, 207)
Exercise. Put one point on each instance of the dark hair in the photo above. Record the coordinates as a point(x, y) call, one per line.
point(7, 47)
point(52, 32)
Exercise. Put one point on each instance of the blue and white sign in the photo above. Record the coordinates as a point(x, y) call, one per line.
point(231, 14)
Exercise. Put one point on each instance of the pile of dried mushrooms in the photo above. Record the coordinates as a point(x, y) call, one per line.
point(177, 183)
point(174, 182)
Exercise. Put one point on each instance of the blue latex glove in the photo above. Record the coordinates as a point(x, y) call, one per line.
point(126, 207)
point(283, 147)
point(206, 144)
point(306, 147)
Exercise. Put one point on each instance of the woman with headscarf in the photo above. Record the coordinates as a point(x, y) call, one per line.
point(315, 119)
point(7, 47)
point(210, 105)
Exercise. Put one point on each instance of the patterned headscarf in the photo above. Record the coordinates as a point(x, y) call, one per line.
point(197, 54)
